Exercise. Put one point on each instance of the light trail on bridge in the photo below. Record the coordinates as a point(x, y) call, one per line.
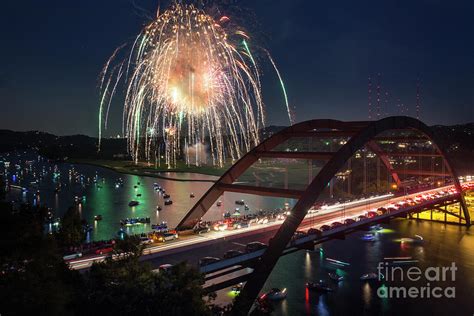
point(316, 218)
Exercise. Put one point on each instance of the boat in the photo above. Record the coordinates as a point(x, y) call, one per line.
point(236, 214)
point(368, 237)
point(118, 183)
point(219, 203)
point(159, 208)
point(335, 277)
point(133, 203)
point(166, 196)
point(246, 207)
point(139, 194)
point(320, 286)
point(403, 262)
point(417, 239)
point(72, 256)
point(376, 227)
point(135, 221)
point(275, 294)
point(168, 202)
point(17, 187)
point(240, 202)
point(395, 261)
point(191, 195)
point(160, 227)
point(369, 276)
point(397, 258)
point(98, 217)
point(337, 262)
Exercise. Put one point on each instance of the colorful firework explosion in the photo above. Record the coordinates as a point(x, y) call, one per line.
point(190, 78)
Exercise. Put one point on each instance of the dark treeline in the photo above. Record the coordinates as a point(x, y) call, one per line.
point(457, 140)
point(34, 278)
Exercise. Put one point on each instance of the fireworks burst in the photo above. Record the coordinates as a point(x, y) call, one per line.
point(188, 76)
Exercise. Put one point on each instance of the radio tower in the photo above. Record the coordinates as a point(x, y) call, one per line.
point(418, 98)
point(378, 96)
point(369, 95)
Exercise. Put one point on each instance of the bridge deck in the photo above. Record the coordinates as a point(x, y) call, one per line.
point(193, 247)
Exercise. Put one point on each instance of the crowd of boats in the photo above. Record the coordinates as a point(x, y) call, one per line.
point(332, 282)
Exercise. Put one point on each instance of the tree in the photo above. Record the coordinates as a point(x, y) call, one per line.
point(127, 286)
point(34, 277)
point(129, 246)
point(2, 188)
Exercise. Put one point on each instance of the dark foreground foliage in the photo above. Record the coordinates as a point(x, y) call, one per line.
point(34, 279)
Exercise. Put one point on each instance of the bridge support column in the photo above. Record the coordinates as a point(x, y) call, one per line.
point(460, 213)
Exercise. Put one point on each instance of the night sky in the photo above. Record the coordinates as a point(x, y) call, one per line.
point(53, 51)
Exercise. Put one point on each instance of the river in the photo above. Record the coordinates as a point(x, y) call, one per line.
point(104, 197)
point(443, 244)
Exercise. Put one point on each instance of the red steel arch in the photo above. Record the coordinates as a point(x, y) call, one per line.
point(362, 133)
point(367, 132)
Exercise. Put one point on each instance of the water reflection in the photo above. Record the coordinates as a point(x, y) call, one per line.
point(308, 265)
point(355, 297)
point(97, 193)
point(322, 307)
point(367, 294)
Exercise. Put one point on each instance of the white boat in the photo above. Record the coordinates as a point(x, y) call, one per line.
point(376, 227)
point(417, 239)
point(393, 261)
point(368, 237)
point(369, 276)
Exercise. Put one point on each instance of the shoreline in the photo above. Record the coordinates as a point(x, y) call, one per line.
point(147, 174)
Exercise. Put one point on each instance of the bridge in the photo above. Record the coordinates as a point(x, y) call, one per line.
point(356, 136)
point(421, 179)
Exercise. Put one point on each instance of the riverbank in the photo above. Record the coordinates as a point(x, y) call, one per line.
point(150, 170)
